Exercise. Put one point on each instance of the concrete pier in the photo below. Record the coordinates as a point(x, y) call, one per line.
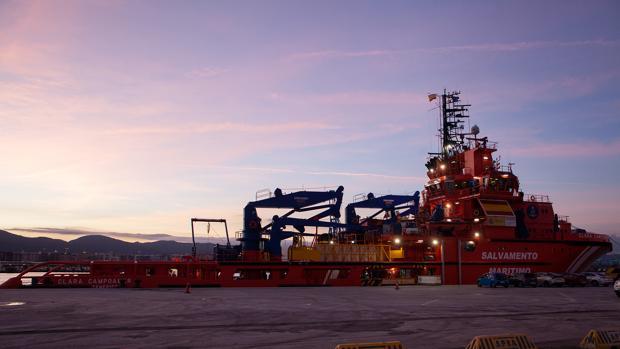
point(418, 316)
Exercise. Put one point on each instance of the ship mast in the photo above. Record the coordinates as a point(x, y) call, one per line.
point(452, 115)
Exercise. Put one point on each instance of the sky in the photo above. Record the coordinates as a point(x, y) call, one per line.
point(130, 117)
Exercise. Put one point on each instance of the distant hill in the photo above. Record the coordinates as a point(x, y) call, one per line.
point(17, 243)
point(96, 243)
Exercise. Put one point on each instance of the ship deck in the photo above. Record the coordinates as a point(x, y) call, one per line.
point(419, 316)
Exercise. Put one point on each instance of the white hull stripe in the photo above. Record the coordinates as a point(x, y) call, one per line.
point(583, 258)
point(570, 267)
point(327, 275)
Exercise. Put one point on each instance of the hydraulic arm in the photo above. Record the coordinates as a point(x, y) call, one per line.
point(403, 204)
point(327, 203)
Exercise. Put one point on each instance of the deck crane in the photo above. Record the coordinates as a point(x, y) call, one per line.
point(328, 204)
point(393, 205)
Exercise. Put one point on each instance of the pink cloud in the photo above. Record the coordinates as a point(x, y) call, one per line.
point(484, 47)
point(328, 54)
point(355, 98)
point(223, 127)
point(325, 173)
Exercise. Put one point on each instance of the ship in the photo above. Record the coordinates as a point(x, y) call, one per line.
point(470, 218)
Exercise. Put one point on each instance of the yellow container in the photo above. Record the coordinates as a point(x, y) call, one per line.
point(303, 254)
point(400, 253)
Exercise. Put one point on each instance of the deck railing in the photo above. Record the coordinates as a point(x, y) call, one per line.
point(536, 198)
point(563, 219)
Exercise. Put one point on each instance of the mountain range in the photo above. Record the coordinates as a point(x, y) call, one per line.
point(102, 244)
point(97, 244)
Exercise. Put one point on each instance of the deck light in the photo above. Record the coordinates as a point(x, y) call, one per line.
point(470, 242)
point(353, 241)
point(435, 242)
point(432, 170)
point(476, 220)
point(485, 157)
point(397, 241)
point(477, 234)
point(449, 220)
point(442, 166)
point(331, 242)
point(448, 205)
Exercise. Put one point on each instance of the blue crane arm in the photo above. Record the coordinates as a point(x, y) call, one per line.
point(280, 222)
point(384, 203)
point(297, 200)
point(300, 201)
point(277, 234)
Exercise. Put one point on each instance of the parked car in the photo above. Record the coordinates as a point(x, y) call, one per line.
point(597, 279)
point(613, 272)
point(493, 280)
point(617, 286)
point(549, 279)
point(575, 279)
point(524, 280)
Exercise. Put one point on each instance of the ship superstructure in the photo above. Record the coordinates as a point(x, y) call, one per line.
point(470, 218)
point(475, 208)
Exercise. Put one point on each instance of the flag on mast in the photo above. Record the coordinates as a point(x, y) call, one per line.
point(432, 97)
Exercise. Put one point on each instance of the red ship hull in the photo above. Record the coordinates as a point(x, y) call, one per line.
point(520, 257)
point(499, 256)
point(474, 219)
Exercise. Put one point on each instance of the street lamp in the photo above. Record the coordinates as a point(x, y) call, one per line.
point(436, 242)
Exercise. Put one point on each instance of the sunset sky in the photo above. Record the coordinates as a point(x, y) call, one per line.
point(133, 116)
